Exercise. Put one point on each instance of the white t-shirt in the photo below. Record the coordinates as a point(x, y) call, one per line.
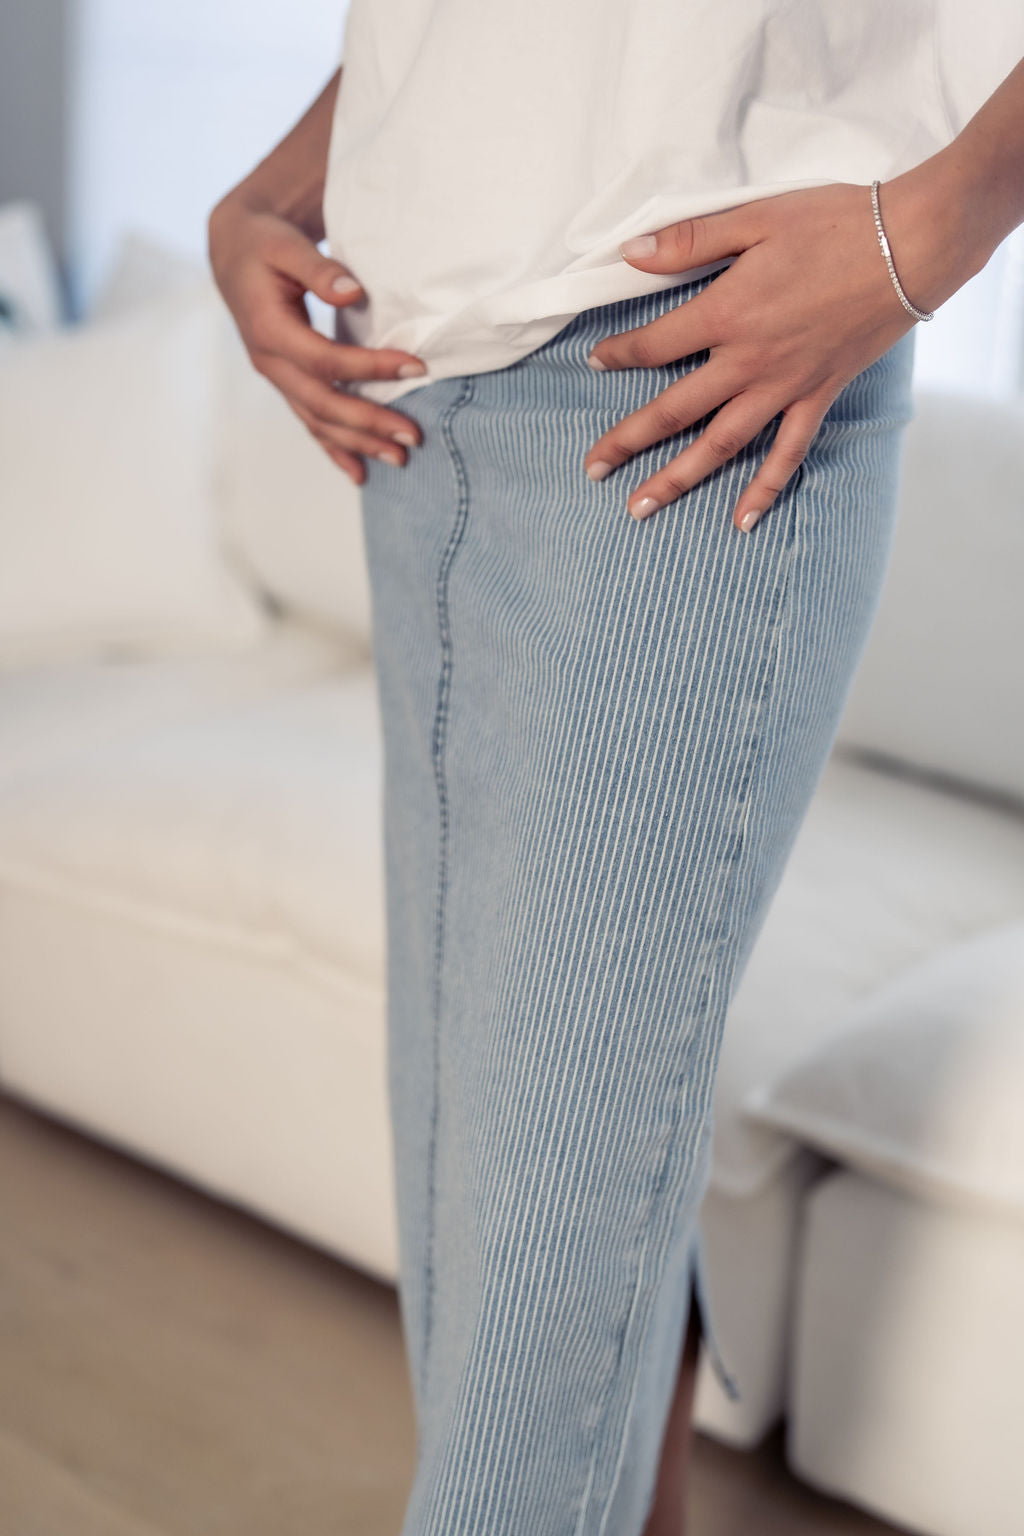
point(487, 157)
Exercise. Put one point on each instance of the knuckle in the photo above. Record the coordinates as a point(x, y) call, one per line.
point(322, 364)
point(385, 367)
point(665, 417)
point(368, 417)
point(316, 417)
point(334, 431)
point(338, 381)
point(718, 312)
point(335, 400)
point(675, 480)
point(342, 406)
point(261, 332)
point(789, 459)
point(724, 442)
point(643, 350)
point(387, 428)
point(348, 415)
point(323, 425)
point(366, 363)
point(327, 401)
point(686, 236)
point(612, 451)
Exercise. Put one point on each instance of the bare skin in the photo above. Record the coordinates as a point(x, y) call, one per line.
point(262, 241)
point(667, 1516)
point(806, 305)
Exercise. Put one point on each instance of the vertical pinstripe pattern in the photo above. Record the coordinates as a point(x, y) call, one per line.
point(601, 738)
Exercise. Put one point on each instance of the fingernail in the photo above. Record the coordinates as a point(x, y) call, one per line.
point(644, 507)
point(404, 437)
point(750, 517)
point(640, 245)
point(346, 285)
point(389, 456)
point(411, 370)
point(598, 469)
point(596, 363)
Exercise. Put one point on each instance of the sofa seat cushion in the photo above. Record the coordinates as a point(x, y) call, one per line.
point(54, 711)
point(256, 826)
point(886, 869)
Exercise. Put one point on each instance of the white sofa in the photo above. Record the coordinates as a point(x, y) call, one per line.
point(191, 907)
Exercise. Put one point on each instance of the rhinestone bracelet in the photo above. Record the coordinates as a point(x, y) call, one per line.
point(912, 309)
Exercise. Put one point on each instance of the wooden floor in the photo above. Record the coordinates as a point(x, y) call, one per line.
point(170, 1366)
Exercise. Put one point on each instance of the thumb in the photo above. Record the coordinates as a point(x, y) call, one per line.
point(688, 243)
point(332, 281)
point(300, 258)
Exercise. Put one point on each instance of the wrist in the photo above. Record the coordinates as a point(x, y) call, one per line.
point(289, 182)
point(298, 205)
point(935, 224)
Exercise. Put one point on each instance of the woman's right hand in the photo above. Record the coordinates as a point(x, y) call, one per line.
point(263, 266)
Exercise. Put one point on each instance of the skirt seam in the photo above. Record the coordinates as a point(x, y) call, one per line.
point(437, 749)
point(767, 691)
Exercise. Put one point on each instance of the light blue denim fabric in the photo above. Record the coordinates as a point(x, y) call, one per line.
point(601, 737)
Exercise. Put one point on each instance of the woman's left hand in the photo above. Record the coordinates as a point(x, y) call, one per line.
point(806, 306)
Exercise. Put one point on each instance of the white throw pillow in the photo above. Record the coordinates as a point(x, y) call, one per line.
point(143, 270)
point(924, 1086)
point(940, 683)
point(107, 515)
point(292, 518)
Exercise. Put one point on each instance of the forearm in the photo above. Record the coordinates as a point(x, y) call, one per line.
point(987, 159)
point(952, 211)
point(290, 180)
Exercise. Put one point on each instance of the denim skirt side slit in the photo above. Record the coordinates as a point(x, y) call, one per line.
point(600, 740)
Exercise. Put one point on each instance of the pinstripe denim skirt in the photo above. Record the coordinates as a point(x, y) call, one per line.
point(600, 739)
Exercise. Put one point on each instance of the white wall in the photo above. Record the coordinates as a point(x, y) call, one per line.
point(172, 101)
point(975, 344)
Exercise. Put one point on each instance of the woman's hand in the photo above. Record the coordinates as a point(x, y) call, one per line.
point(807, 304)
point(264, 265)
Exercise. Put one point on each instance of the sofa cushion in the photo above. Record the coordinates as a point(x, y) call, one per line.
point(107, 515)
point(291, 517)
point(141, 271)
point(939, 684)
point(257, 826)
point(51, 714)
point(923, 1086)
point(885, 870)
point(906, 1360)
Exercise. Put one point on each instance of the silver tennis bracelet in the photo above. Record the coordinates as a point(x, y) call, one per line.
point(912, 309)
